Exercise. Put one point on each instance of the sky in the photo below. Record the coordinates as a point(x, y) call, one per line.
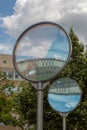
point(64, 95)
point(44, 41)
point(63, 103)
point(17, 15)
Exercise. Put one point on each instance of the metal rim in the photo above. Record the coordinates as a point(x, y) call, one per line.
point(31, 27)
point(76, 104)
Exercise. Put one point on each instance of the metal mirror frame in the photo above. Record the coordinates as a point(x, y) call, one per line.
point(65, 114)
point(61, 95)
point(30, 28)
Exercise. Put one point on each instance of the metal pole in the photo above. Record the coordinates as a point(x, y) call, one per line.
point(64, 121)
point(40, 107)
point(16, 127)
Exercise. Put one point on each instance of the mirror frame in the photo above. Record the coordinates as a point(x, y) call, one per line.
point(20, 37)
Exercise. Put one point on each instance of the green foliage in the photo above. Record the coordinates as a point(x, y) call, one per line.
point(5, 84)
point(77, 70)
point(5, 109)
point(26, 104)
point(6, 101)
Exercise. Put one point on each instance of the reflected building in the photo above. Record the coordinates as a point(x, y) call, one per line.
point(67, 87)
point(38, 69)
point(65, 91)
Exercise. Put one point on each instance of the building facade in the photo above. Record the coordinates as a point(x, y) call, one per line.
point(36, 69)
point(39, 69)
point(6, 66)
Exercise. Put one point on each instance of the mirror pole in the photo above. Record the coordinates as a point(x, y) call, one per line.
point(64, 121)
point(39, 87)
point(40, 107)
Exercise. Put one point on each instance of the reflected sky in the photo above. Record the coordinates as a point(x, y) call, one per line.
point(43, 42)
point(64, 95)
point(42, 52)
point(63, 103)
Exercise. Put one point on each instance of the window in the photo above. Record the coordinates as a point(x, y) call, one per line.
point(5, 74)
point(52, 63)
point(4, 61)
point(16, 75)
point(11, 74)
point(46, 63)
point(49, 63)
point(42, 63)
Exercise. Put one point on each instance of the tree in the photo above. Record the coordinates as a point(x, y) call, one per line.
point(6, 101)
point(77, 70)
point(25, 101)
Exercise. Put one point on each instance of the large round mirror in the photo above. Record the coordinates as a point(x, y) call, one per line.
point(41, 52)
point(64, 95)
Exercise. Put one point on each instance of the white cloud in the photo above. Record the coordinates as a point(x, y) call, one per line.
point(83, 6)
point(28, 12)
point(56, 56)
point(78, 22)
point(41, 50)
point(71, 104)
point(38, 51)
point(5, 48)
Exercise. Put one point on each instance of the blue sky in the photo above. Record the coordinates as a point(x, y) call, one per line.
point(6, 41)
point(44, 42)
point(63, 103)
point(17, 15)
point(6, 7)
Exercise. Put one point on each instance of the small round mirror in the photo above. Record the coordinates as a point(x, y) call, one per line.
point(64, 95)
point(41, 52)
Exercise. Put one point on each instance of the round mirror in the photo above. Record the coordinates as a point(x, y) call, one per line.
point(64, 95)
point(41, 52)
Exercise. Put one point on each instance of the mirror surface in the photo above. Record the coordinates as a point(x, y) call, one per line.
point(42, 51)
point(64, 95)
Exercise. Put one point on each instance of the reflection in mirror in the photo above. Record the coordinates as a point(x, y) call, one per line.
point(42, 51)
point(64, 95)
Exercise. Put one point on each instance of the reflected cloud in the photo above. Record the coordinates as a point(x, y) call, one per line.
point(71, 105)
point(64, 95)
point(63, 103)
point(43, 49)
point(44, 42)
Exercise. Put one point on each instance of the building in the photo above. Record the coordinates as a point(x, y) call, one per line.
point(65, 86)
point(66, 91)
point(6, 66)
point(35, 69)
point(39, 69)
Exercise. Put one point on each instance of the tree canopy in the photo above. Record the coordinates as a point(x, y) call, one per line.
point(6, 100)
